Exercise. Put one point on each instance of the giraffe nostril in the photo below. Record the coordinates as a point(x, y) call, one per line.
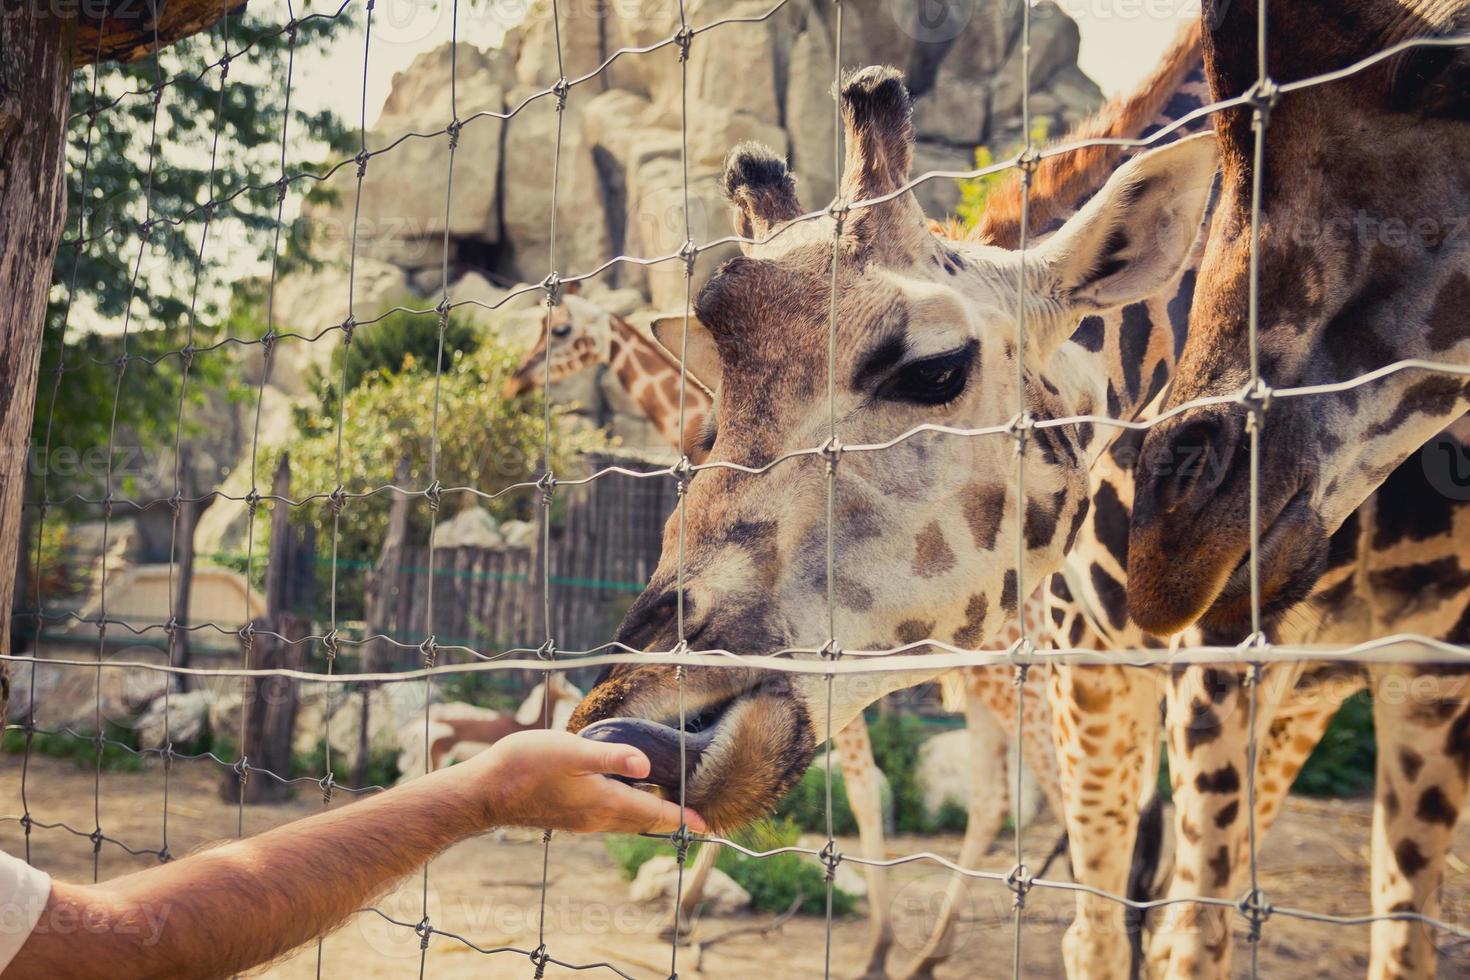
point(1198, 456)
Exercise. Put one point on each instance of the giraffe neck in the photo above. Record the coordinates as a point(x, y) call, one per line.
point(650, 375)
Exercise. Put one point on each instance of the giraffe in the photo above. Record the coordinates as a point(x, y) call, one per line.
point(1346, 167)
point(926, 334)
point(576, 335)
point(782, 711)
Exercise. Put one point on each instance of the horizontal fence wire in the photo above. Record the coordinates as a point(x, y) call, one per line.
point(830, 660)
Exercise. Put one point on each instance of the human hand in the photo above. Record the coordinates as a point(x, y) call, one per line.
point(556, 780)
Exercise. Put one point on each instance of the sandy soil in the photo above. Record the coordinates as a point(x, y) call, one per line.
point(488, 891)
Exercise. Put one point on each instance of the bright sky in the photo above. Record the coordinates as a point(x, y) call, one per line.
point(1121, 42)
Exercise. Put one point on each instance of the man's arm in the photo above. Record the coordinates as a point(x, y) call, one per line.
point(226, 909)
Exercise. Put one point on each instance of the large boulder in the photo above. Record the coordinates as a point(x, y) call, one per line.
point(526, 185)
point(404, 204)
point(949, 763)
point(658, 880)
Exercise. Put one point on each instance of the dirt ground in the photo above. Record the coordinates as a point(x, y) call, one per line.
point(488, 891)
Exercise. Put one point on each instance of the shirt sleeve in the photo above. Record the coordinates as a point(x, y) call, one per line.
point(23, 894)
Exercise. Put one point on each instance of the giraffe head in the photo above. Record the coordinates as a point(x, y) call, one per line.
point(575, 335)
point(925, 530)
point(1363, 262)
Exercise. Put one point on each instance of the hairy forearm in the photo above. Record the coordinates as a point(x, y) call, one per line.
point(219, 911)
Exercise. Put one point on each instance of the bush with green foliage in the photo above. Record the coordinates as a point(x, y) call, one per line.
point(485, 440)
point(975, 192)
point(773, 882)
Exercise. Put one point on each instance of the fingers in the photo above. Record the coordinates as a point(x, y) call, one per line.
point(639, 812)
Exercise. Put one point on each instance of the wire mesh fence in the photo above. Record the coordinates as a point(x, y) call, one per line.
point(438, 658)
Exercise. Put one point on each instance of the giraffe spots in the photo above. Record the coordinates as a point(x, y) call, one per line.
point(1110, 522)
point(1226, 779)
point(1410, 858)
point(1203, 726)
point(914, 630)
point(1078, 516)
point(1008, 592)
point(1411, 763)
point(1220, 866)
point(1041, 520)
point(1111, 594)
point(932, 555)
point(1435, 807)
point(1391, 802)
point(1178, 310)
point(1446, 326)
point(983, 505)
point(969, 634)
point(1133, 338)
point(1437, 579)
point(1090, 699)
point(1457, 743)
point(1089, 334)
point(1227, 814)
point(1435, 396)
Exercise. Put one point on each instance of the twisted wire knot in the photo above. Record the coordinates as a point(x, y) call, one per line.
point(539, 959)
point(1256, 908)
point(1019, 881)
point(831, 857)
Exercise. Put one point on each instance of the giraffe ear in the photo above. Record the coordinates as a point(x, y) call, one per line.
point(701, 358)
point(1135, 234)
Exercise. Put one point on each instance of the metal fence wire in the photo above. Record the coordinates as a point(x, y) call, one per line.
point(827, 661)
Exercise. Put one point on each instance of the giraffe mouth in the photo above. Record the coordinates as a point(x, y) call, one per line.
point(674, 755)
point(1291, 551)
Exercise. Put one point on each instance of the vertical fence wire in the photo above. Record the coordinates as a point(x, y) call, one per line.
point(552, 285)
point(1019, 877)
point(680, 837)
point(268, 351)
point(833, 452)
point(1251, 905)
point(122, 366)
point(44, 505)
point(179, 622)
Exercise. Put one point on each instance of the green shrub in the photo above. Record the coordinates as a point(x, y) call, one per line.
point(81, 748)
point(773, 882)
point(1343, 762)
point(805, 804)
point(381, 770)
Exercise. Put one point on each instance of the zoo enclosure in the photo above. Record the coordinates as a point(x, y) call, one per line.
point(435, 658)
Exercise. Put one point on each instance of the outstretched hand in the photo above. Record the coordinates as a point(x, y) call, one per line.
point(560, 781)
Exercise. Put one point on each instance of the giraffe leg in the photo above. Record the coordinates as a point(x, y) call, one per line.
point(1208, 748)
point(864, 793)
point(987, 806)
point(1422, 722)
point(693, 893)
point(1105, 724)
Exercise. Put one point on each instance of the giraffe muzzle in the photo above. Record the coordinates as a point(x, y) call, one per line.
point(660, 743)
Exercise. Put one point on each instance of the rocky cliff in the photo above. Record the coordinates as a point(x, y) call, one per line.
point(620, 183)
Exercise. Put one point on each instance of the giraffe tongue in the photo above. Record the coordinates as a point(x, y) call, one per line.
point(659, 742)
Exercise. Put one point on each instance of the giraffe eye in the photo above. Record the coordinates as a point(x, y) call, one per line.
point(562, 330)
point(936, 380)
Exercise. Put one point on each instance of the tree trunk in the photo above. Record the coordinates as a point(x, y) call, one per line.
point(271, 702)
point(35, 75)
